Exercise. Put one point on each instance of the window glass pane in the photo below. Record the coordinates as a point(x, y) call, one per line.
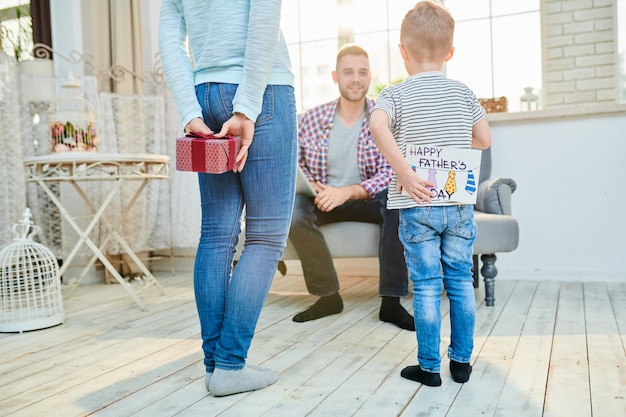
point(290, 22)
point(318, 19)
point(318, 62)
point(466, 10)
point(377, 48)
point(5, 4)
point(17, 36)
point(397, 10)
point(397, 72)
point(504, 7)
point(517, 61)
point(471, 62)
point(366, 15)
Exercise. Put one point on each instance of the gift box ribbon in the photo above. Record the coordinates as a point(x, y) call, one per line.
point(198, 157)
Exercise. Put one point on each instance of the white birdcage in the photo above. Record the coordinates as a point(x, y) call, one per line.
point(72, 120)
point(30, 288)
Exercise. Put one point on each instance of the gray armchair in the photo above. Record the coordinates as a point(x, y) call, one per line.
point(498, 231)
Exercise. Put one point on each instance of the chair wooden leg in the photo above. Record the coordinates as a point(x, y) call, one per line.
point(489, 272)
point(282, 267)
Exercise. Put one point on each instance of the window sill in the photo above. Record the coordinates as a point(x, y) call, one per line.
point(557, 113)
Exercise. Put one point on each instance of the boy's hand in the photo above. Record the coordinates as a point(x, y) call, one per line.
point(418, 188)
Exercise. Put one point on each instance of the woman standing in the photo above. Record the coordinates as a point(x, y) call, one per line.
point(227, 65)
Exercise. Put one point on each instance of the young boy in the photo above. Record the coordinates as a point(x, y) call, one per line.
point(430, 109)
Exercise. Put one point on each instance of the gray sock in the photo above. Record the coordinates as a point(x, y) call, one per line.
point(207, 377)
point(249, 378)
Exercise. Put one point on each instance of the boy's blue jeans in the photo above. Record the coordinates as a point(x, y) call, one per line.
point(229, 301)
point(440, 239)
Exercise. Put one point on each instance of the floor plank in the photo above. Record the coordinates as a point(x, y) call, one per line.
point(524, 388)
point(569, 372)
point(607, 366)
point(617, 295)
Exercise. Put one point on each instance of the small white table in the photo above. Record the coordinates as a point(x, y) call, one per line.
point(81, 168)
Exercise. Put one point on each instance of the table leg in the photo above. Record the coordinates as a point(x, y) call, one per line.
point(112, 229)
point(84, 238)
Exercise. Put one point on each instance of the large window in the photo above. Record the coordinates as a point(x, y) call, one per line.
point(498, 44)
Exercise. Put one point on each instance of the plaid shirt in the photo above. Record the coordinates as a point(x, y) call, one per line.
point(313, 132)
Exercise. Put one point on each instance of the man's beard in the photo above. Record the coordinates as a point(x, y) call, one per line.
point(351, 95)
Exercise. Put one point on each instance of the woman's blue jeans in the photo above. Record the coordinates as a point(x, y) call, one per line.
point(228, 300)
point(440, 239)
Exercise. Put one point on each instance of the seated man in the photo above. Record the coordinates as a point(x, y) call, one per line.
point(339, 158)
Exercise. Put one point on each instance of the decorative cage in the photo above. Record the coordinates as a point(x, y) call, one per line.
point(30, 288)
point(72, 121)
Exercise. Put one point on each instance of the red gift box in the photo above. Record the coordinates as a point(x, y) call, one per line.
point(199, 153)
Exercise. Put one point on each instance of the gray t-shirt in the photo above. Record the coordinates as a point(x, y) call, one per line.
point(343, 167)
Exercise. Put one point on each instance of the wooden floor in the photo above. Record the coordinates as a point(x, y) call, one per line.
point(546, 349)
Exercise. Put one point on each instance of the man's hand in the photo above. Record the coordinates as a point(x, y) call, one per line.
point(328, 198)
point(239, 125)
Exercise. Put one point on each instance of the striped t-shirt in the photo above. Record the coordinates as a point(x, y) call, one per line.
point(428, 109)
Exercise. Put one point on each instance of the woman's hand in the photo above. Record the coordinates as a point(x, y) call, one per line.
point(197, 126)
point(239, 125)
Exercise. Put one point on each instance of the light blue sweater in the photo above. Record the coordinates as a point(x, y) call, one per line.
point(230, 41)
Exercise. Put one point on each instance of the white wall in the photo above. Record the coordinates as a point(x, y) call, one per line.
point(570, 200)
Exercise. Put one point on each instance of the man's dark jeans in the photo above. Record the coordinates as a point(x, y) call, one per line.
point(317, 264)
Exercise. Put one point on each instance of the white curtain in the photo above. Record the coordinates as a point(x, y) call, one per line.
point(134, 124)
point(185, 195)
point(168, 214)
point(114, 39)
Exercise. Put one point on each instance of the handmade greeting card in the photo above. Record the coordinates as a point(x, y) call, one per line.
point(453, 171)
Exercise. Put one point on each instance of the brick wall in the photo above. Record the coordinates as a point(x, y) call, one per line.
point(579, 52)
